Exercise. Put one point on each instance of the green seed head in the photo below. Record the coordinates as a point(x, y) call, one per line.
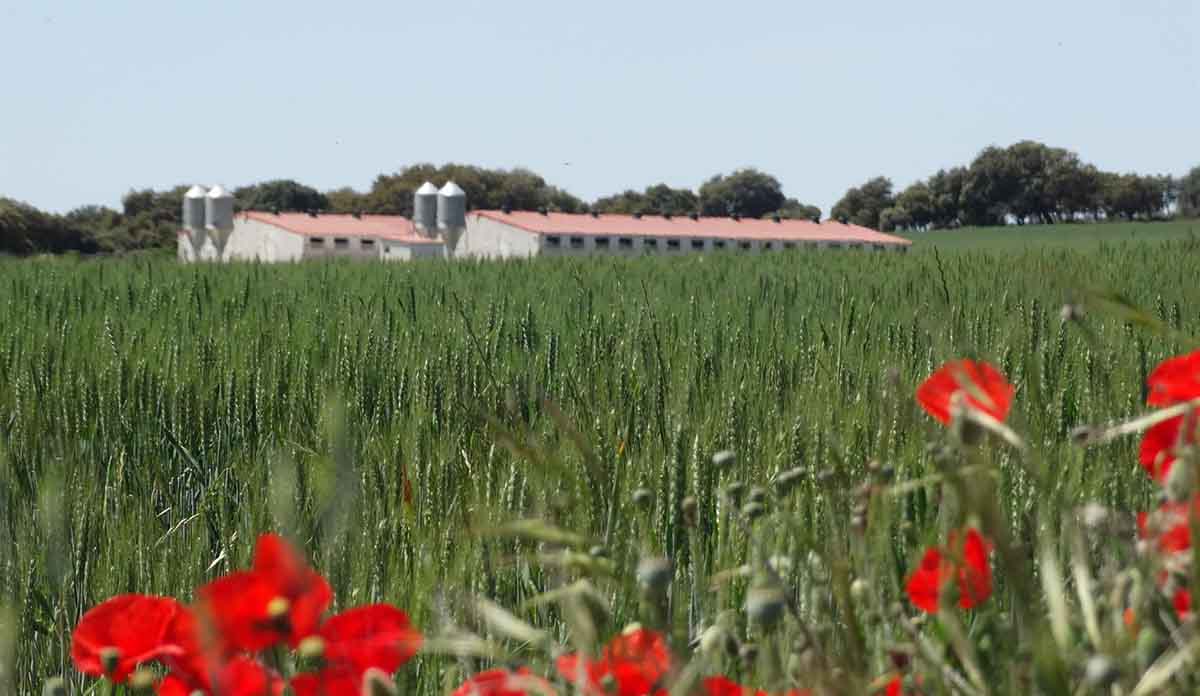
point(757, 494)
point(55, 686)
point(765, 605)
point(376, 683)
point(724, 459)
point(654, 574)
point(109, 658)
point(642, 498)
point(753, 511)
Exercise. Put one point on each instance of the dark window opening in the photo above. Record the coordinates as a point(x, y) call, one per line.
point(367, 243)
point(576, 242)
point(317, 242)
point(651, 244)
point(789, 245)
point(553, 241)
point(697, 243)
point(673, 244)
point(625, 242)
point(341, 243)
point(745, 245)
point(601, 242)
point(719, 244)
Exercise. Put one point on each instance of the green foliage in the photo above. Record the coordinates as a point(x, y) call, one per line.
point(156, 417)
point(486, 189)
point(658, 199)
point(1189, 193)
point(864, 205)
point(745, 192)
point(279, 194)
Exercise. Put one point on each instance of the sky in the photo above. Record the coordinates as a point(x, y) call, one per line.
point(597, 97)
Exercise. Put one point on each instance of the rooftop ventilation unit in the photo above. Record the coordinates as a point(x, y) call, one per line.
point(542, 210)
point(694, 216)
point(776, 218)
point(595, 214)
point(667, 216)
point(637, 216)
point(506, 208)
point(736, 217)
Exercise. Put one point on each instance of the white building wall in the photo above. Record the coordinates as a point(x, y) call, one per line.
point(399, 251)
point(487, 238)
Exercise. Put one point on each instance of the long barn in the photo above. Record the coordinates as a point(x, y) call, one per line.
point(504, 234)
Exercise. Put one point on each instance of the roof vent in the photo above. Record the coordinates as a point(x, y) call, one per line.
point(595, 213)
point(542, 210)
point(842, 219)
point(816, 219)
point(637, 215)
point(506, 208)
point(776, 218)
point(736, 217)
point(357, 214)
point(667, 216)
point(694, 215)
point(274, 210)
point(312, 213)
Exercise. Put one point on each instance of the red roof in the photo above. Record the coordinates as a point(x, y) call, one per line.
point(393, 228)
point(683, 226)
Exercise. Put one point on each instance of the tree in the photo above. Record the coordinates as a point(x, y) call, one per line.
point(795, 210)
point(660, 198)
point(945, 192)
point(346, 200)
point(990, 187)
point(745, 192)
point(864, 205)
point(1189, 193)
point(26, 230)
point(519, 189)
point(1132, 196)
point(279, 194)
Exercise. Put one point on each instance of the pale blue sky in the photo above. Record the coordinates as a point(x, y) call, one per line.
point(100, 97)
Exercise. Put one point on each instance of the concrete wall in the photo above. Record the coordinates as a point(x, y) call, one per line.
point(399, 251)
point(335, 247)
point(250, 240)
point(489, 239)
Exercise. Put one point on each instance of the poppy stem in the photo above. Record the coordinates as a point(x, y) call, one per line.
point(1099, 436)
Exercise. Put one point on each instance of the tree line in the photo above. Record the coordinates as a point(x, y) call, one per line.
point(1023, 183)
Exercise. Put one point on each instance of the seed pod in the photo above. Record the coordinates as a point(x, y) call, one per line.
point(1083, 434)
point(654, 574)
point(858, 523)
point(757, 494)
point(734, 490)
point(642, 497)
point(688, 507)
point(598, 552)
point(1100, 672)
point(311, 648)
point(141, 681)
point(859, 589)
point(724, 459)
point(376, 683)
point(109, 658)
point(753, 511)
point(54, 686)
point(715, 640)
point(826, 477)
point(764, 605)
point(787, 480)
point(748, 654)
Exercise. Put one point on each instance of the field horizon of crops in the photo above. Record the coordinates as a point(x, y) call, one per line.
point(155, 418)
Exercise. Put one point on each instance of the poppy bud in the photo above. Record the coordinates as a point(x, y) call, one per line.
point(757, 494)
point(764, 605)
point(1101, 672)
point(1070, 312)
point(753, 511)
point(1148, 648)
point(642, 497)
point(1082, 434)
point(1178, 485)
point(376, 683)
point(900, 658)
point(826, 476)
point(654, 574)
point(598, 552)
point(713, 640)
point(1093, 515)
point(724, 459)
point(55, 686)
point(734, 490)
point(109, 658)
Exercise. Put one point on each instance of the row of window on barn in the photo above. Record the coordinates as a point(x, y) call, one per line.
point(653, 244)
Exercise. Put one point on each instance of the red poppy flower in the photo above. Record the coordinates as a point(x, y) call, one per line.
point(1175, 380)
point(1182, 601)
point(723, 686)
point(637, 661)
point(1157, 453)
point(968, 564)
point(1170, 526)
point(895, 687)
point(282, 598)
point(501, 682)
point(116, 636)
point(377, 637)
point(982, 385)
point(241, 676)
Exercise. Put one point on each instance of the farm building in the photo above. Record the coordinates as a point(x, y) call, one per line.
point(501, 234)
point(212, 231)
point(441, 227)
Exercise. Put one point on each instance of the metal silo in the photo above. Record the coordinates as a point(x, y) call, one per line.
point(451, 207)
point(193, 208)
point(218, 214)
point(218, 209)
point(425, 208)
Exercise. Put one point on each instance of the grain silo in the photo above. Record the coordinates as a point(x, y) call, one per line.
point(218, 216)
point(451, 214)
point(425, 209)
point(193, 217)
